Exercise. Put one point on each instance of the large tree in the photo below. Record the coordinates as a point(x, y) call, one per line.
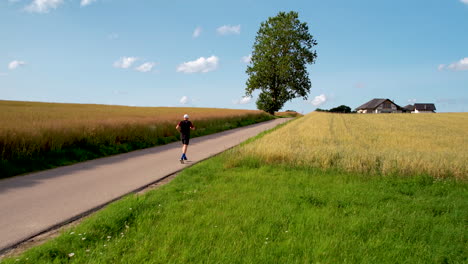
point(278, 68)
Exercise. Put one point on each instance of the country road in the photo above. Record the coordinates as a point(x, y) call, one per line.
point(37, 202)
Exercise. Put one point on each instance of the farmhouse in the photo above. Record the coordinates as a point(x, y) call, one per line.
point(379, 106)
point(420, 108)
point(424, 108)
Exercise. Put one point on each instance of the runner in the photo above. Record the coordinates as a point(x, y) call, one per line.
point(184, 127)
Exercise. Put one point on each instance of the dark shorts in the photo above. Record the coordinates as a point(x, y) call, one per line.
point(185, 139)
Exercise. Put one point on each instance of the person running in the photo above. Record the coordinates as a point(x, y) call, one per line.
point(184, 127)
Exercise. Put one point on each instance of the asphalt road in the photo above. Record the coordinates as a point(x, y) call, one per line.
point(34, 203)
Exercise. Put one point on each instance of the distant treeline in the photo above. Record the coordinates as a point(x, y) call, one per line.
point(338, 109)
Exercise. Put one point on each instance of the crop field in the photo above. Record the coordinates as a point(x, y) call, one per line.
point(256, 204)
point(396, 144)
point(43, 135)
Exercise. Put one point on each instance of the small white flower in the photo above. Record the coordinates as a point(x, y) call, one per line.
point(105, 245)
point(130, 208)
point(267, 238)
point(126, 226)
point(72, 233)
point(83, 238)
point(108, 237)
point(71, 254)
point(87, 250)
point(79, 234)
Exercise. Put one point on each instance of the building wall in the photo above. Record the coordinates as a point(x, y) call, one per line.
point(422, 111)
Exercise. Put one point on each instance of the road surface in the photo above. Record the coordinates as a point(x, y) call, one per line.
point(37, 202)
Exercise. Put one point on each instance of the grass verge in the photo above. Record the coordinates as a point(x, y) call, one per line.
point(256, 213)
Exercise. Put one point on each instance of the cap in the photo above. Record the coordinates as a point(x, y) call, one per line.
point(186, 116)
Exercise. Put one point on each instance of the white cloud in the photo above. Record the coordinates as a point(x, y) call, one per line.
point(319, 100)
point(145, 67)
point(244, 100)
point(86, 2)
point(125, 62)
point(113, 36)
point(464, 1)
point(184, 100)
point(197, 32)
point(200, 65)
point(228, 29)
point(42, 6)
point(461, 65)
point(247, 59)
point(15, 64)
point(360, 85)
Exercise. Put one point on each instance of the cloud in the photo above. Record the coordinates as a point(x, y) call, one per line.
point(15, 64)
point(464, 1)
point(319, 100)
point(86, 2)
point(184, 100)
point(42, 6)
point(200, 65)
point(461, 65)
point(228, 29)
point(246, 59)
point(145, 67)
point(197, 32)
point(113, 36)
point(125, 62)
point(244, 100)
point(360, 85)
point(411, 101)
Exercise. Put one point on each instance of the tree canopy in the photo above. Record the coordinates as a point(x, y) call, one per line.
point(278, 68)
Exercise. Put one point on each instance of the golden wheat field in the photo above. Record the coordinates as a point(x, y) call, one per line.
point(404, 144)
point(27, 128)
point(31, 116)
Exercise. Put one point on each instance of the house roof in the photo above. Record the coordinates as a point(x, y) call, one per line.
point(425, 107)
point(372, 104)
point(409, 107)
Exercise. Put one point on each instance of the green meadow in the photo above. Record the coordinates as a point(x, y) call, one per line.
point(232, 209)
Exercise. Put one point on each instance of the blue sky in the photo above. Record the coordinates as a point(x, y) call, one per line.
point(193, 53)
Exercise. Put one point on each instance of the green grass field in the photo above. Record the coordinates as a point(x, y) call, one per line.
point(255, 211)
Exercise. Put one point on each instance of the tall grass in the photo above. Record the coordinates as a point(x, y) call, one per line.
point(400, 144)
point(37, 136)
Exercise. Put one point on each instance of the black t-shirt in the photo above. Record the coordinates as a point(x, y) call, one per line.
point(185, 126)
